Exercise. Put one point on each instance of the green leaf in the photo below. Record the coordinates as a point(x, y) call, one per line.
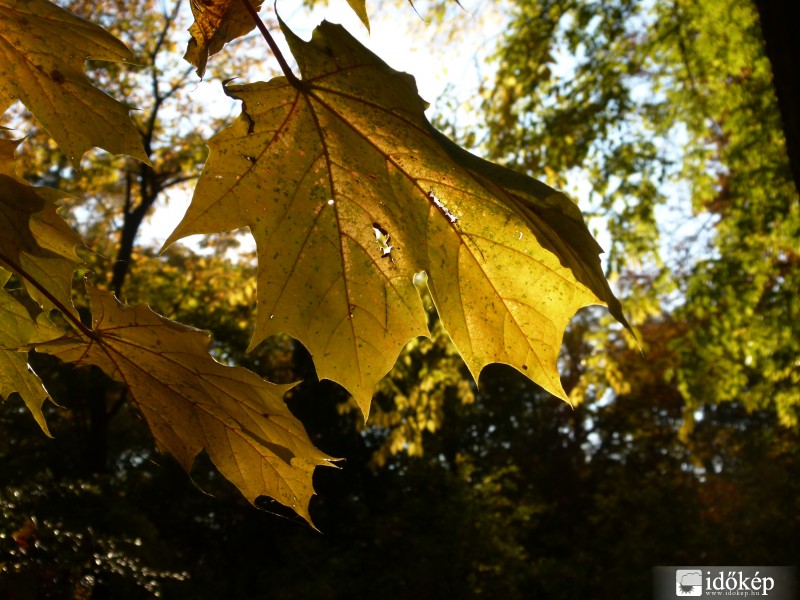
point(43, 49)
point(316, 170)
point(193, 403)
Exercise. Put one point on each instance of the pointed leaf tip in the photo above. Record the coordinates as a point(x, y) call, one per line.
point(360, 8)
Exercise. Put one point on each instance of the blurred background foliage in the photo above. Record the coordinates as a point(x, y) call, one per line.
point(661, 118)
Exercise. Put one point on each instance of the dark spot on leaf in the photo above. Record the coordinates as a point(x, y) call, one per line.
point(525, 367)
point(57, 76)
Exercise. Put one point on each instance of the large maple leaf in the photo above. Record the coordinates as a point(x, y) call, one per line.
point(43, 49)
point(350, 192)
point(192, 403)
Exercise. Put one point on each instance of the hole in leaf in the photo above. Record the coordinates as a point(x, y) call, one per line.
point(384, 241)
point(442, 208)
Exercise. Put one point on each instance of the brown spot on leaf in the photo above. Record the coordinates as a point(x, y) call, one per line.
point(57, 76)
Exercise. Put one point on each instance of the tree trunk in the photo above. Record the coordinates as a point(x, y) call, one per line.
point(783, 47)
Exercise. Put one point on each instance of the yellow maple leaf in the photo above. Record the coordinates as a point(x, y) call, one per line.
point(18, 329)
point(349, 192)
point(43, 49)
point(192, 403)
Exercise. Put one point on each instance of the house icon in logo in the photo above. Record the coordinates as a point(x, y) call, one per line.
point(688, 582)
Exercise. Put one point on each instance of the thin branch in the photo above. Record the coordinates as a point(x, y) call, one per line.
point(147, 134)
point(168, 21)
point(128, 185)
point(168, 183)
point(179, 83)
point(287, 71)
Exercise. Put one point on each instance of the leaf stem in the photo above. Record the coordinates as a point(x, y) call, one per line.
point(287, 71)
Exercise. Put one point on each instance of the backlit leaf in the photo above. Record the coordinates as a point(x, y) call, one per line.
point(360, 8)
point(18, 329)
point(216, 22)
point(315, 168)
point(193, 403)
point(43, 49)
point(36, 244)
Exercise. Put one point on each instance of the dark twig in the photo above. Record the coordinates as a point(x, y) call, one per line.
point(287, 71)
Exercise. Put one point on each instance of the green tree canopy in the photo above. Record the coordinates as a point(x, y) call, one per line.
point(669, 109)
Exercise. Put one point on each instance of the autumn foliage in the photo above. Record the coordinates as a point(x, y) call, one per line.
point(356, 204)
